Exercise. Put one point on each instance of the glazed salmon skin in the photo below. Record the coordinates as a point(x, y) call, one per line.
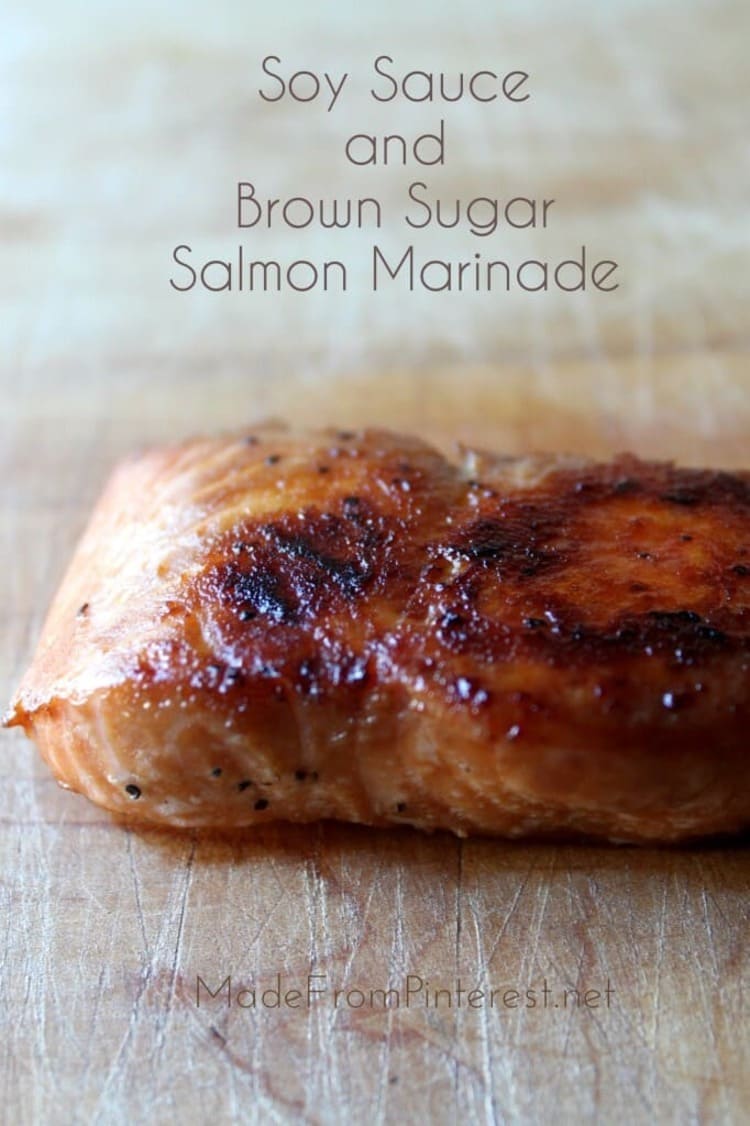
point(283, 625)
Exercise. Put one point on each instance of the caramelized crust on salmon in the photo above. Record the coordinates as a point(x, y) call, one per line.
point(348, 625)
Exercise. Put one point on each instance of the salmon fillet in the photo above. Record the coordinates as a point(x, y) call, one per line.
point(349, 625)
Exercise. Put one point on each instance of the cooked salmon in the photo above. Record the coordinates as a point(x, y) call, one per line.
point(281, 625)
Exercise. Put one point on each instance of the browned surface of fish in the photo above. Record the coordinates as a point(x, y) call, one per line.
point(349, 625)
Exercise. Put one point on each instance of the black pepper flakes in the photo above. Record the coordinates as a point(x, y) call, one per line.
point(216, 772)
point(83, 610)
point(400, 806)
point(261, 803)
point(709, 633)
point(244, 785)
point(273, 459)
point(133, 791)
point(300, 775)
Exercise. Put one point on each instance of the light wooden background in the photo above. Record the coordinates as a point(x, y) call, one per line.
point(123, 130)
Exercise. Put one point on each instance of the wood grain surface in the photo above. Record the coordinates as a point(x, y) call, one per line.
point(122, 135)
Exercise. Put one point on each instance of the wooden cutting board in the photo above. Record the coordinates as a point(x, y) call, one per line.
point(616, 975)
